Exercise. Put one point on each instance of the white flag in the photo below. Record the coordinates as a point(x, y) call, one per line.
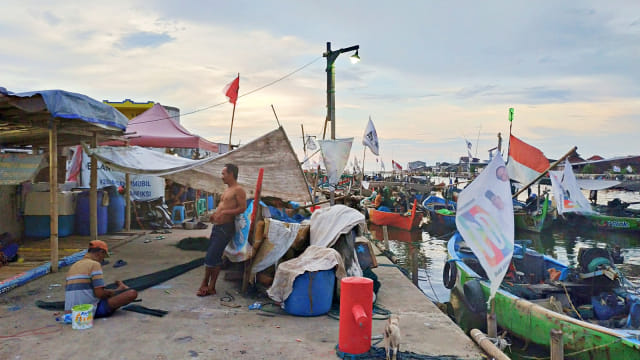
point(567, 193)
point(370, 138)
point(382, 164)
point(311, 145)
point(335, 154)
point(484, 218)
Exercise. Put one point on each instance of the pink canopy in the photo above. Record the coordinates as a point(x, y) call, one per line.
point(156, 128)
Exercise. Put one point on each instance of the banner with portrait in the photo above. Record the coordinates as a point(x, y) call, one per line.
point(484, 218)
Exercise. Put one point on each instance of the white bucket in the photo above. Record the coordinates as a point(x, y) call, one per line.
point(82, 316)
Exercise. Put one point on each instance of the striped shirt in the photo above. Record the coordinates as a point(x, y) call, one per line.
point(82, 278)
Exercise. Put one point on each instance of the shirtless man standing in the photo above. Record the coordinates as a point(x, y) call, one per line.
point(233, 202)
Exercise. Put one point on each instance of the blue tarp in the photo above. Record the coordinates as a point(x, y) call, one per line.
point(68, 105)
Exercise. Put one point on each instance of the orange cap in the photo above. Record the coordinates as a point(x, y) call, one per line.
point(99, 244)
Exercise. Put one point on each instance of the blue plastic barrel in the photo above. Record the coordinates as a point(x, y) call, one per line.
point(83, 225)
point(312, 293)
point(210, 203)
point(115, 210)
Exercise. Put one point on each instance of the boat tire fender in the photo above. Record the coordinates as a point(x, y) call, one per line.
point(474, 297)
point(449, 274)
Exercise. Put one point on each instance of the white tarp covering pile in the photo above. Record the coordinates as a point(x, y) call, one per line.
point(327, 224)
point(283, 177)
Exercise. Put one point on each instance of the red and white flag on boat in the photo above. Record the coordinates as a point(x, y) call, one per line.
point(484, 218)
point(525, 162)
point(231, 90)
point(396, 166)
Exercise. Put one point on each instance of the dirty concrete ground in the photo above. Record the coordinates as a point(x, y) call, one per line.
point(202, 327)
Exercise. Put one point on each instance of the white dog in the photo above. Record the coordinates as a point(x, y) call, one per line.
point(392, 336)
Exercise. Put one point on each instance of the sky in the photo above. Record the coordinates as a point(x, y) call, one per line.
point(432, 74)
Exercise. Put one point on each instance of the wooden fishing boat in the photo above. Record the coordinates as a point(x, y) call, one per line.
point(535, 220)
point(604, 222)
point(441, 212)
point(593, 305)
point(406, 221)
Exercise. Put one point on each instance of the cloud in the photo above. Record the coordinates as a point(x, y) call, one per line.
point(144, 39)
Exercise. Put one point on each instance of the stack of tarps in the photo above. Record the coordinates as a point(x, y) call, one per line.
point(332, 243)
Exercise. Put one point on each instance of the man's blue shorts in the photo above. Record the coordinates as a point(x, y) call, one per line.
point(220, 237)
point(103, 309)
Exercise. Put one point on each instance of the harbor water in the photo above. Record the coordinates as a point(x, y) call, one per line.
point(423, 254)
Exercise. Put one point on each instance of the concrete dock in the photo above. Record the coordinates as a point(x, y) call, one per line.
point(203, 327)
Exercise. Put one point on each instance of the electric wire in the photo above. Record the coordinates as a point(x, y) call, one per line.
point(239, 96)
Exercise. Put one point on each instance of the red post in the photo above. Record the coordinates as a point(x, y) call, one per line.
point(356, 308)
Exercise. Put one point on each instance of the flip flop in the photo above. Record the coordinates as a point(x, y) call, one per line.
point(119, 263)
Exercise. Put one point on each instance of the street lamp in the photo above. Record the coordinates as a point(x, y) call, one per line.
point(331, 56)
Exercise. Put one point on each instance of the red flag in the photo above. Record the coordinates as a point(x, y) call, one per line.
point(231, 90)
point(396, 166)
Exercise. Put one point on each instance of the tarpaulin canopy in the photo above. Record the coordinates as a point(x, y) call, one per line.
point(25, 117)
point(593, 184)
point(283, 177)
point(156, 128)
point(18, 168)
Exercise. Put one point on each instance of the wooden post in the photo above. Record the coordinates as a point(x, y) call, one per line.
point(315, 184)
point(385, 234)
point(127, 199)
point(93, 192)
point(414, 264)
point(492, 323)
point(557, 345)
point(252, 225)
point(53, 193)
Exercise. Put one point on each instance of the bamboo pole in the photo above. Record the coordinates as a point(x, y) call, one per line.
point(248, 264)
point(544, 172)
point(322, 202)
point(93, 192)
point(557, 345)
point(485, 343)
point(53, 193)
point(127, 198)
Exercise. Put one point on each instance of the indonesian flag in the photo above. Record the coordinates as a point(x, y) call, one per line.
point(396, 166)
point(525, 161)
point(231, 90)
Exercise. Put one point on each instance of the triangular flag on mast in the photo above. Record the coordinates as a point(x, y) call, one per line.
point(370, 138)
point(231, 90)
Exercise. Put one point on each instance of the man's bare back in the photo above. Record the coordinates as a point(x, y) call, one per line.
point(232, 202)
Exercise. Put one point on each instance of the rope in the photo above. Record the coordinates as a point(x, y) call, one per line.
point(571, 302)
point(380, 353)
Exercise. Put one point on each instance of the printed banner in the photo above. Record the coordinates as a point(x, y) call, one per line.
point(143, 187)
point(484, 218)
